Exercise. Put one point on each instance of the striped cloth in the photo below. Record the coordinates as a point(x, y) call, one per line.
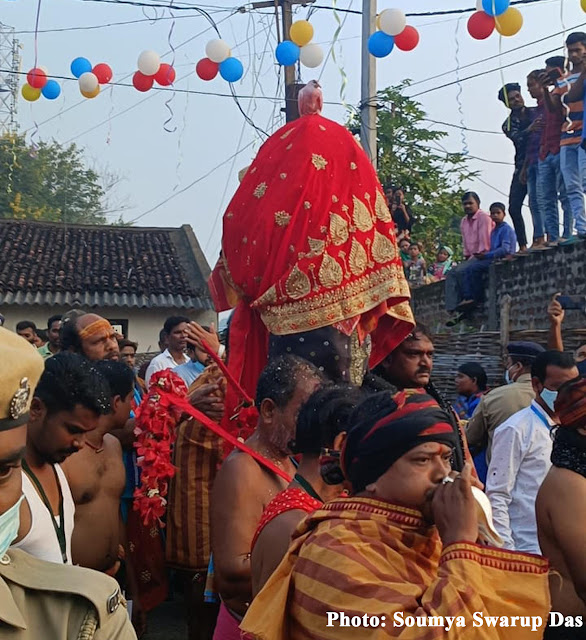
point(361, 556)
point(574, 111)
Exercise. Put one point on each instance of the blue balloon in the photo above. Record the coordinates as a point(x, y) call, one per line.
point(380, 44)
point(80, 66)
point(287, 53)
point(231, 69)
point(495, 7)
point(51, 90)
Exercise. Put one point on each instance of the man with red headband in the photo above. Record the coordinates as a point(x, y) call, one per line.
point(377, 561)
point(561, 512)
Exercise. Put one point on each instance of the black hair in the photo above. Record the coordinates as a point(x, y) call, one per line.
point(511, 86)
point(172, 322)
point(578, 37)
point(373, 383)
point(52, 319)
point(324, 416)
point(26, 324)
point(125, 342)
point(556, 62)
point(471, 194)
point(419, 330)
point(475, 371)
point(162, 335)
point(120, 377)
point(498, 205)
point(534, 75)
point(70, 380)
point(68, 334)
point(278, 380)
point(551, 358)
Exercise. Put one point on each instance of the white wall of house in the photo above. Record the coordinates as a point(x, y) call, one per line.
point(143, 324)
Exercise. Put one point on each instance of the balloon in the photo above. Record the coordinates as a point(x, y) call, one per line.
point(392, 21)
point(510, 22)
point(378, 22)
point(480, 25)
point(495, 7)
point(88, 82)
point(380, 44)
point(142, 82)
point(36, 78)
point(51, 90)
point(408, 39)
point(287, 53)
point(583, 4)
point(149, 63)
point(165, 75)
point(30, 94)
point(217, 50)
point(91, 94)
point(80, 66)
point(206, 69)
point(312, 55)
point(103, 73)
point(301, 32)
point(231, 69)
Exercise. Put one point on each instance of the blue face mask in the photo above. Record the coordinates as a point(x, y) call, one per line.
point(9, 524)
point(549, 397)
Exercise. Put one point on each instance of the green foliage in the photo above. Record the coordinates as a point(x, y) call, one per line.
point(410, 155)
point(47, 182)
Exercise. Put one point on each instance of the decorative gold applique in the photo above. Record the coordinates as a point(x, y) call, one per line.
point(291, 248)
point(323, 229)
point(338, 229)
point(330, 272)
point(359, 355)
point(319, 162)
point(322, 127)
point(381, 209)
point(358, 259)
point(361, 215)
point(287, 133)
point(345, 208)
point(353, 166)
point(229, 215)
point(317, 246)
point(268, 297)
point(245, 240)
point(289, 146)
point(282, 218)
point(297, 285)
point(383, 249)
point(282, 176)
point(307, 205)
point(260, 190)
point(253, 170)
point(334, 198)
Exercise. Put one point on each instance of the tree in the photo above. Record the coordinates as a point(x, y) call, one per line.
point(408, 156)
point(48, 181)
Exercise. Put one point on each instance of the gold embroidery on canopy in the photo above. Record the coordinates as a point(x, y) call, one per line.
point(287, 133)
point(245, 240)
point(358, 259)
point(260, 190)
point(334, 198)
point(359, 355)
point(383, 249)
point(322, 127)
point(307, 205)
point(381, 209)
point(313, 278)
point(317, 246)
point(338, 229)
point(353, 166)
point(330, 272)
point(282, 218)
point(297, 285)
point(289, 146)
point(361, 215)
point(319, 162)
point(253, 170)
point(342, 256)
point(229, 215)
point(268, 297)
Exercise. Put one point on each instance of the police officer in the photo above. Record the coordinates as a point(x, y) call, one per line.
point(41, 599)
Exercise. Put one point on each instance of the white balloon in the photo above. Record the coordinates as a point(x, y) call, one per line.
point(149, 63)
point(88, 82)
point(392, 21)
point(217, 50)
point(479, 5)
point(312, 55)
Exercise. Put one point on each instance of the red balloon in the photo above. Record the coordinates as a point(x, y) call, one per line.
point(480, 25)
point(103, 73)
point(206, 69)
point(408, 39)
point(165, 75)
point(36, 78)
point(142, 82)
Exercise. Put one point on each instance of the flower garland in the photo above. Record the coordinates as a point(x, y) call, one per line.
point(156, 420)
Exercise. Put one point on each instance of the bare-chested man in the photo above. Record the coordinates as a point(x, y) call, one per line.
point(561, 513)
point(97, 477)
point(243, 487)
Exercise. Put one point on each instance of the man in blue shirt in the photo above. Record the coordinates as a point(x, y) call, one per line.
point(503, 243)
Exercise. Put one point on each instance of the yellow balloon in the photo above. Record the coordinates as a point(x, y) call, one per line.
point(378, 20)
point(30, 94)
point(91, 94)
point(510, 22)
point(583, 4)
point(301, 32)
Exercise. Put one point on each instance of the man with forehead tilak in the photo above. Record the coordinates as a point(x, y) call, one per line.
point(41, 599)
point(405, 543)
point(90, 335)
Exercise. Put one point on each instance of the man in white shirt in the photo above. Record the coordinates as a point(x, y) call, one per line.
point(175, 329)
point(521, 451)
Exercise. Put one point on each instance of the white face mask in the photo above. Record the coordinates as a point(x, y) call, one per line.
point(549, 397)
point(9, 524)
point(508, 378)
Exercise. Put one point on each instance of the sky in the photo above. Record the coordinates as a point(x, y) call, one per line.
point(178, 155)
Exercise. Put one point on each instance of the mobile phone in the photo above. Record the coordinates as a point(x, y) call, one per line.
point(555, 74)
point(398, 198)
point(573, 302)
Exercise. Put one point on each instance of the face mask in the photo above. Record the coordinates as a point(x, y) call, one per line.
point(9, 524)
point(508, 377)
point(549, 397)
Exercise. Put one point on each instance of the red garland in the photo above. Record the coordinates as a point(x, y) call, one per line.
point(156, 420)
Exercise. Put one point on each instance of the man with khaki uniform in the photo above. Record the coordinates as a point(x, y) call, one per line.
point(42, 599)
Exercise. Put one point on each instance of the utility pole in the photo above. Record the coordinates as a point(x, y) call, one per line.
point(10, 65)
point(368, 84)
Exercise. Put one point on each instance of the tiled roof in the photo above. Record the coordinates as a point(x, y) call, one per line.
point(46, 263)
